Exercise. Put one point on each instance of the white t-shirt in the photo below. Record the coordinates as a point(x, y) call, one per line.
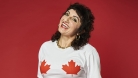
point(55, 62)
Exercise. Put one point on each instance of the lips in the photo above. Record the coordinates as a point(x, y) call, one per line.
point(64, 25)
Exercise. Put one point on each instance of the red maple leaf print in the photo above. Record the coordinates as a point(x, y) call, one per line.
point(71, 69)
point(44, 68)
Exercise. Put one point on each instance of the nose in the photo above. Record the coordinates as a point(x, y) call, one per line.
point(67, 19)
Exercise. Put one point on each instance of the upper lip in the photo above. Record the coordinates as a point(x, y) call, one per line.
point(65, 24)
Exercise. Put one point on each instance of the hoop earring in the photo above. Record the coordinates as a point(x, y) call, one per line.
point(77, 37)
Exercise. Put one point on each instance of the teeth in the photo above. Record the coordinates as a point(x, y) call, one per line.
point(65, 25)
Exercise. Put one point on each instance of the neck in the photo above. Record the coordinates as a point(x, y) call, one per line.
point(64, 41)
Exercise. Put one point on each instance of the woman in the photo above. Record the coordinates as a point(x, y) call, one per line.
point(68, 54)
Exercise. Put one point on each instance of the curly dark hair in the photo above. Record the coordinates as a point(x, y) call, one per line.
point(87, 20)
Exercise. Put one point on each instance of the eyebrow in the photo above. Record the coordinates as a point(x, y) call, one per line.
point(74, 16)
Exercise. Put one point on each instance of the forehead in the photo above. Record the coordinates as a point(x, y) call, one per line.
point(73, 12)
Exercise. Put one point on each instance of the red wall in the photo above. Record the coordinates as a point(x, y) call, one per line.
point(26, 24)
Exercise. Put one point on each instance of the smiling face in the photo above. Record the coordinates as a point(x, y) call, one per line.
point(69, 23)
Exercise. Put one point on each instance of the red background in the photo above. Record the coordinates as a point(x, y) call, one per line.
point(26, 24)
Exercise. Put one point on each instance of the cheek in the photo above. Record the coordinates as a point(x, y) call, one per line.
point(74, 25)
point(63, 17)
point(74, 28)
point(60, 22)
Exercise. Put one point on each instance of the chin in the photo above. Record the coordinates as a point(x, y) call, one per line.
point(61, 32)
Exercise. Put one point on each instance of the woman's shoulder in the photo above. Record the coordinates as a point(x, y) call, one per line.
point(47, 43)
point(90, 49)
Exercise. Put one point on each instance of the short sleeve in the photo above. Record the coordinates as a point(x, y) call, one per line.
point(93, 64)
point(40, 55)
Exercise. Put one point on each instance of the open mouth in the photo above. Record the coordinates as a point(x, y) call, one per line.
point(63, 25)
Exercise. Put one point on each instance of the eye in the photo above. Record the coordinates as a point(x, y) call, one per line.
point(67, 14)
point(75, 20)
